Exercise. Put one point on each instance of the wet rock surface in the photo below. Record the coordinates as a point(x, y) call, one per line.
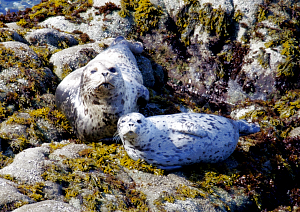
point(238, 59)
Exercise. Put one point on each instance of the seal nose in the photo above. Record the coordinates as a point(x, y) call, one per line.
point(105, 74)
point(131, 125)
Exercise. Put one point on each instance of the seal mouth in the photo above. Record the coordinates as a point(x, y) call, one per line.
point(106, 85)
point(130, 134)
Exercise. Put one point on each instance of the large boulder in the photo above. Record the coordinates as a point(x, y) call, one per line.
point(47, 206)
point(9, 194)
point(27, 166)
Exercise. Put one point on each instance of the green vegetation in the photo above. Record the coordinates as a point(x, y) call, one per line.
point(146, 15)
point(95, 170)
point(286, 36)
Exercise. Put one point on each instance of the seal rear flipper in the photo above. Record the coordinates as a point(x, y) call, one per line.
point(246, 128)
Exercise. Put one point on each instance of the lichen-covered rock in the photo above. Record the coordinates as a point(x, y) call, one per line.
point(47, 206)
point(22, 51)
point(51, 37)
point(99, 3)
point(27, 166)
point(98, 26)
point(206, 56)
point(171, 193)
point(72, 58)
point(9, 194)
point(257, 78)
point(32, 128)
point(7, 34)
point(53, 191)
point(69, 151)
point(23, 76)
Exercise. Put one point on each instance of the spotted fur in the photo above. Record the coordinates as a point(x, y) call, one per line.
point(94, 97)
point(181, 139)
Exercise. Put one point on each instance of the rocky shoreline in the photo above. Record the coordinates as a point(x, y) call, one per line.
point(237, 59)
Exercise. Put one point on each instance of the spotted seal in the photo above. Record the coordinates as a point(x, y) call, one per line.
point(95, 96)
point(170, 141)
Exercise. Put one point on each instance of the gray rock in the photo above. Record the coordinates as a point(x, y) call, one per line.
point(154, 186)
point(14, 80)
point(15, 133)
point(70, 151)
point(172, 7)
point(53, 191)
point(22, 51)
point(19, 135)
point(224, 4)
point(249, 9)
point(261, 78)
point(295, 132)
point(97, 27)
point(47, 206)
point(27, 165)
point(145, 67)
point(239, 113)
point(72, 58)
point(99, 3)
point(51, 37)
point(10, 194)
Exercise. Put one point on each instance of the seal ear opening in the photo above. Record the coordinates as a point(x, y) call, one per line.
point(142, 102)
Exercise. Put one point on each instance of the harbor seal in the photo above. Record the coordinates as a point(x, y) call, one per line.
point(95, 96)
point(171, 141)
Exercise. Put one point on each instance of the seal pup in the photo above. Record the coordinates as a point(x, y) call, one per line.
point(95, 96)
point(170, 141)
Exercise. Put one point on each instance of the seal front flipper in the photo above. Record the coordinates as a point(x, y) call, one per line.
point(189, 128)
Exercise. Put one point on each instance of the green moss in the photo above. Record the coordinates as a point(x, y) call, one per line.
point(66, 70)
point(187, 192)
point(45, 9)
point(8, 177)
point(262, 13)
point(212, 179)
point(146, 16)
point(5, 35)
point(35, 191)
point(238, 15)
point(140, 165)
point(33, 132)
point(230, 61)
point(14, 205)
point(43, 53)
point(127, 6)
point(5, 160)
point(284, 35)
point(95, 171)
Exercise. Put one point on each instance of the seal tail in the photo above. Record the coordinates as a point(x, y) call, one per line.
point(135, 47)
point(246, 128)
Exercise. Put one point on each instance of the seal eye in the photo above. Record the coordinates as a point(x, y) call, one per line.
point(112, 70)
point(139, 121)
point(93, 71)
